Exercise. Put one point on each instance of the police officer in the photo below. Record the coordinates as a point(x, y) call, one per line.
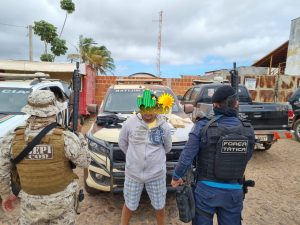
point(48, 189)
point(221, 147)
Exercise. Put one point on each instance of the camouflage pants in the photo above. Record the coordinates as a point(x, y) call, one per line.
point(53, 209)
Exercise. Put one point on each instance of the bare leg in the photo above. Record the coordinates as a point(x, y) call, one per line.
point(160, 216)
point(126, 215)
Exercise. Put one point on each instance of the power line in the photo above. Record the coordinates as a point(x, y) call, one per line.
point(11, 25)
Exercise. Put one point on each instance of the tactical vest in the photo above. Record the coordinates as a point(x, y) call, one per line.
point(45, 170)
point(225, 152)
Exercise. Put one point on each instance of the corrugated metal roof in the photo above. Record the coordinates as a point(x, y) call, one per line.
point(278, 55)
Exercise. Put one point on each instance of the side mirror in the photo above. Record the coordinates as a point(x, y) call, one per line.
point(188, 108)
point(179, 97)
point(92, 108)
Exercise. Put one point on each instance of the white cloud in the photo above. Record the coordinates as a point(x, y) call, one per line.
point(192, 30)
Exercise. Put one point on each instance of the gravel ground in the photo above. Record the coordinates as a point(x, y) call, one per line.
point(275, 200)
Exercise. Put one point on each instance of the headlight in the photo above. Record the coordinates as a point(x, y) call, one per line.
point(97, 145)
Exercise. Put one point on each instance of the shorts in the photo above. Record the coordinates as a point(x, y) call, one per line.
point(156, 191)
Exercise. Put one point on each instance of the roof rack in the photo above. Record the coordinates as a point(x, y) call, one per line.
point(138, 81)
point(22, 76)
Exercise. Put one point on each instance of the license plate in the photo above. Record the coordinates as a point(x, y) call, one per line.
point(262, 137)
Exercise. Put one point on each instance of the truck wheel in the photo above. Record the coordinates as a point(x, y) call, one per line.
point(297, 129)
point(87, 188)
point(267, 146)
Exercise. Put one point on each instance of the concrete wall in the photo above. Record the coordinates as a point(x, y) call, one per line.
point(252, 70)
point(293, 55)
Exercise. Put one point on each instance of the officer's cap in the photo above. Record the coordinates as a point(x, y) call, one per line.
point(41, 103)
point(222, 93)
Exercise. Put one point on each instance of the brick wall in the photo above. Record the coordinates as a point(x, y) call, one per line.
point(102, 84)
point(178, 85)
point(265, 90)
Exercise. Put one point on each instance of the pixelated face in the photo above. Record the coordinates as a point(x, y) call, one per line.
point(148, 115)
point(151, 104)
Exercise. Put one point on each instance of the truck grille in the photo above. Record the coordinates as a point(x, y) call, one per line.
point(173, 155)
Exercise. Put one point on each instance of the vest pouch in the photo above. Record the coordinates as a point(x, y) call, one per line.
point(185, 203)
point(231, 157)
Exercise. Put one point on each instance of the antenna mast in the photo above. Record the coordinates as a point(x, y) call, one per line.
point(159, 44)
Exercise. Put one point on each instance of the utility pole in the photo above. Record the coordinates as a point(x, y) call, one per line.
point(30, 42)
point(159, 43)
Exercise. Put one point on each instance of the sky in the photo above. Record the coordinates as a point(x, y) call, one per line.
point(197, 35)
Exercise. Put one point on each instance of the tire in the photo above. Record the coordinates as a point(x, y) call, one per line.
point(297, 129)
point(267, 146)
point(87, 188)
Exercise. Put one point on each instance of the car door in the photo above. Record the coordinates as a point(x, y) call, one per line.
point(187, 96)
point(194, 96)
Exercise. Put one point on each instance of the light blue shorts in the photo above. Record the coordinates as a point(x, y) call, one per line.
point(156, 190)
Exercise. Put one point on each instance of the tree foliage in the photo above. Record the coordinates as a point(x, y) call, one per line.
point(45, 30)
point(97, 56)
point(47, 58)
point(58, 46)
point(101, 59)
point(67, 5)
point(47, 33)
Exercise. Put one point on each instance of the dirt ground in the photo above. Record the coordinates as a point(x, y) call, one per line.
point(275, 200)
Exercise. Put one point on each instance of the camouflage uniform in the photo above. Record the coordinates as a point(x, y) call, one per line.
point(57, 208)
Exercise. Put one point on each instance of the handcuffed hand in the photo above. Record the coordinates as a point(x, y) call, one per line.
point(176, 183)
point(8, 204)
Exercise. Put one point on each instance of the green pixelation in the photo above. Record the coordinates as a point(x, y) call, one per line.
point(146, 100)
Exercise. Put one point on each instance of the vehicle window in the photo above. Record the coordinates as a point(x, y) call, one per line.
point(67, 88)
point(125, 100)
point(12, 100)
point(195, 93)
point(244, 95)
point(187, 95)
point(207, 94)
point(58, 93)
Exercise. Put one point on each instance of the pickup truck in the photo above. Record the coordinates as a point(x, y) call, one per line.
point(271, 121)
point(106, 172)
point(14, 92)
point(294, 100)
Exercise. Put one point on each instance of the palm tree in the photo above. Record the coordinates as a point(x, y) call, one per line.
point(97, 56)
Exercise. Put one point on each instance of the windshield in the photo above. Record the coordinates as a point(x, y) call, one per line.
point(125, 100)
point(207, 94)
point(12, 100)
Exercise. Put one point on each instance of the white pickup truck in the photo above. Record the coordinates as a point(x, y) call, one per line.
point(14, 91)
